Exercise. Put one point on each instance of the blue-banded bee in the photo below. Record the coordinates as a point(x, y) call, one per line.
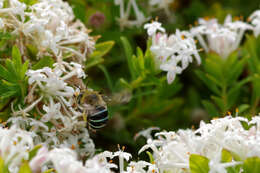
point(93, 108)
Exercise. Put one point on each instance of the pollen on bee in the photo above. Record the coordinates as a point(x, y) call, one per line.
point(229, 113)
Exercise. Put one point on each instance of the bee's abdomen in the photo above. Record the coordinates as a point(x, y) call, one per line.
point(98, 119)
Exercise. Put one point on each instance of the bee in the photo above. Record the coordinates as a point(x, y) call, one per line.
point(94, 109)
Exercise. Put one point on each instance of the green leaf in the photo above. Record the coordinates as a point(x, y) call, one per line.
point(125, 83)
point(2, 165)
point(16, 57)
point(5, 74)
point(212, 86)
point(129, 53)
point(233, 93)
point(226, 156)
point(140, 57)
point(32, 51)
point(211, 109)
point(8, 89)
point(44, 62)
point(25, 168)
point(242, 108)
point(150, 156)
point(93, 62)
point(34, 151)
point(199, 164)
point(49, 171)
point(213, 68)
point(13, 81)
point(236, 70)
point(29, 2)
point(102, 49)
point(219, 102)
point(106, 73)
point(251, 165)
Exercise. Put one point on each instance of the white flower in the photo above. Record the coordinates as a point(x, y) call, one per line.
point(172, 51)
point(52, 111)
point(50, 82)
point(153, 27)
point(153, 169)
point(255, 20)
point(137, 167)
point(146, 133)
point(64, 160)
point(99, 164)
point(14, 146)
point(153, 144)
point(122, 156)
point(222, 39)
point(172, 69)
point(41, 158)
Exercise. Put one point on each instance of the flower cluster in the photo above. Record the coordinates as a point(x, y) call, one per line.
point(48, 25)
point(17, 147)
point(51, 110)
point(52, 91)
point(14, 146)
point(222, 39)
point(172, 150)
point(174, 52)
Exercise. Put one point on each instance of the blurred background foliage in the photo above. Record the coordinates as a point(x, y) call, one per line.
point(139, 96)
